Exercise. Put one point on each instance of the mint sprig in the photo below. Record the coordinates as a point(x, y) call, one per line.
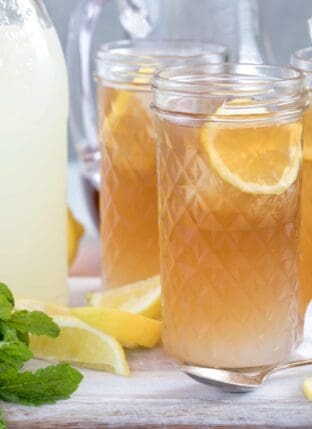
point(33, 322)
point(4, 290)
point(2, 422)
point(44, 386)
point(13, 355)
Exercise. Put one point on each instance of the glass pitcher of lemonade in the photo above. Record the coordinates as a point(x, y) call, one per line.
point(302, 60)
point(128, 196)
point(33, 141)
point(230, 148)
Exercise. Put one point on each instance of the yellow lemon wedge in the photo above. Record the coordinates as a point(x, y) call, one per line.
point(307, 388)
point(128, 130)
point(78, 343)
point(74, 232)
point(125, 99)
point(254, 159)
point(144, 75)
point(50, 309)
point(307, 146)
point(129, 329)
point(142, 297)
point(81, 345)
point(307, 153)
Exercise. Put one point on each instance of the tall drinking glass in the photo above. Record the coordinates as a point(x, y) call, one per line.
point(230, 146)
point(302, 60)
point(128, 200)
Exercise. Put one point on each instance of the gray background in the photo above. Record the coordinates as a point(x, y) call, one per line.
point(286, 21)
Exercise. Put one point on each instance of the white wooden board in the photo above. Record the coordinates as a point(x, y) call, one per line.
point(157, 394)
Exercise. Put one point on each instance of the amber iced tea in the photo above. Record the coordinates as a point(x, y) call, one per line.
point(129, 226)
point(229, 236)
point(306, 209)
point(129, 222)
point(229, 258)
point(302, 59)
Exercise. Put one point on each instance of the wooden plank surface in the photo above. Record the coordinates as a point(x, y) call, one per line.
point(157, 394)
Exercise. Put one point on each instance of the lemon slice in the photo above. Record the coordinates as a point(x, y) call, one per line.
point(254, 159)
point(81, 345)
point(129, 134)
point(74, 233)
point(307, 146)
point(307, 388)
point(129, 329)
point(142, 297)
point(125, 99)
point(50, 309)
point(307, 152)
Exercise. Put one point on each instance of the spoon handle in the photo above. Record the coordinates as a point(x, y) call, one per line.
point(291, 365)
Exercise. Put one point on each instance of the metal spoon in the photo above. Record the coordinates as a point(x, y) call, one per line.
point(244, 380)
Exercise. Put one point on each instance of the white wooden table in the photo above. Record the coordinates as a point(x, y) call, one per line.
point(157, 395)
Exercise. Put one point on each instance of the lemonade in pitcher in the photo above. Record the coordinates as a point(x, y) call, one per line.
point(33, 140)
point(229, 191)
point(128, 197)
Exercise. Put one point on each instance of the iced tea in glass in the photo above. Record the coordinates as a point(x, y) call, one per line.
point(128, 197)
point(230, 146)
point(302, 59)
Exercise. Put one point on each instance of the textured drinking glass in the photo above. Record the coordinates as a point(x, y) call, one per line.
point(230, 146)
point(128, 200)
point(302, 60)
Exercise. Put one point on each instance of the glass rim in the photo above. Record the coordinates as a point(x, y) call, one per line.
point(123, 50)
point(261, 92)
point(138, 59)
point(233, 75)
point(302, 59)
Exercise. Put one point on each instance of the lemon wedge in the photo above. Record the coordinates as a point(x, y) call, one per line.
point(129, 329)
point(81, 345)
point(307, 147)
point(253, 159)
point(307, 388)
point(124, 100)
point(74, 233)
point(50, 309)
point(78, 343)
point(142, 297)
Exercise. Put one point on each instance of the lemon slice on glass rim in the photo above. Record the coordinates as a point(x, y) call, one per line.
point(255, 159)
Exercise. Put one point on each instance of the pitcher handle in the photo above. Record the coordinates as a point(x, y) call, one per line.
point(254, 46)
point(82, 120)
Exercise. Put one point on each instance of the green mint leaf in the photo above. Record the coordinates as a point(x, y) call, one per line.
point(34, 322)
point(23, 337)
point(2, 422)
point(5, 308)
point(4, 290)
point(13, 354)
point(7, 333)
point(44, 386)
point(11, 334)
